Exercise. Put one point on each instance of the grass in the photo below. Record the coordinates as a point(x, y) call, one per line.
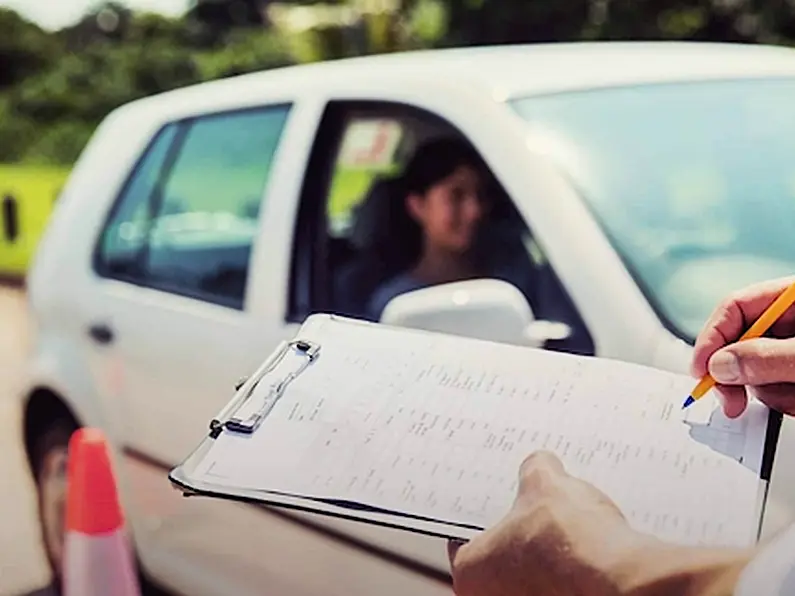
point(348, 188)
point(36, 187)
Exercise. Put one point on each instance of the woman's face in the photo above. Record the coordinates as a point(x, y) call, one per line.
point(449, 212)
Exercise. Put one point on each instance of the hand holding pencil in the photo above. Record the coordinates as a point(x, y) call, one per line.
point(749, 341)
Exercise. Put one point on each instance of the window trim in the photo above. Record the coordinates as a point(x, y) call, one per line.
point(310, 278)
point(183, 126)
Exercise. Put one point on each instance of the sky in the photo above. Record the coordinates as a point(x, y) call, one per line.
point(55, 14)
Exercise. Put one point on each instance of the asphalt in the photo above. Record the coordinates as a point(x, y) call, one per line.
point(23, 569)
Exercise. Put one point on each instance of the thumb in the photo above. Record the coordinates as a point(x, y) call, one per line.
point(453, 546)
point(755, 362)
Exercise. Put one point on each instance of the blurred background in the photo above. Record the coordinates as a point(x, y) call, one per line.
point(65, 64)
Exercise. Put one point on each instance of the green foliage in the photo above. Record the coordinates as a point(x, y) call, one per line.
point(35, 188)
point(428, 19)
point(16, 132)
point(49, 112)
point(81, 87)
point(480, 22)
point(56, 88)
point(245, 51)
point(60, 143)
point(752, 21)
point(24, 48)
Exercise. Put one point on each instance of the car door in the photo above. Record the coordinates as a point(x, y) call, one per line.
point(193, 266)
point(174, 260)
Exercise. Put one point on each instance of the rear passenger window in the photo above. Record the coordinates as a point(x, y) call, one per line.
point(188, 218)
point(125, 236)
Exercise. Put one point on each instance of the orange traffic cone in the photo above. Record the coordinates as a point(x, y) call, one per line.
point(97, 555)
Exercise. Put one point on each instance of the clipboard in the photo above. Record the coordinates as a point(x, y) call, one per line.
point(235, 417)
point(242, 416)
point(774, 421)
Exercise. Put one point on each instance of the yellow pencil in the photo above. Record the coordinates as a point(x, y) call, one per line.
point(759, 328)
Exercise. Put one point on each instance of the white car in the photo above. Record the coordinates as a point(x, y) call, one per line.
point(641, 182)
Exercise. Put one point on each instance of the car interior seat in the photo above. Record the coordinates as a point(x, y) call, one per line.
point(378, 238)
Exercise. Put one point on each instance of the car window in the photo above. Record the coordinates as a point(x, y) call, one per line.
point(124, 235)
point(338, 267)
point(693, 183)
point(187, 223)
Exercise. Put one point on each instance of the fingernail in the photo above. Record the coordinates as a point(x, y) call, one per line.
point(452, 547)
point(725, 367)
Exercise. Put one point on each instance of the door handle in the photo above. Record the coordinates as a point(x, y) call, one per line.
point(101, 333)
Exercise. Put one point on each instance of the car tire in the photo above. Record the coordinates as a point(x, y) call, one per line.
point(49, 451)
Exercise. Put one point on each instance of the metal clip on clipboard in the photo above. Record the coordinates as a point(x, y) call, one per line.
point(244, 423)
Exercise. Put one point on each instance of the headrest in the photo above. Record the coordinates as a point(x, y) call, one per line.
point(373, 215)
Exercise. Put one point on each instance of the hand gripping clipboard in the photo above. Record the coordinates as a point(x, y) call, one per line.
point(240, 415)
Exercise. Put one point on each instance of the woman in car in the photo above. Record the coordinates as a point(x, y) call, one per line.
point(443, 187)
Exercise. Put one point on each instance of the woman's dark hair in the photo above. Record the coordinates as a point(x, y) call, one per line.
point(431, 163)
point(436, 160)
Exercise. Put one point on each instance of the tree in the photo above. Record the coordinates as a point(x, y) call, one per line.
point(245, 51)
point(481, 22)
point(218, 17)
point(25, 49)
point(107, 22)
point(750, 21)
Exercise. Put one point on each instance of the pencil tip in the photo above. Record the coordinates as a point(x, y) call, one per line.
point(688, 401)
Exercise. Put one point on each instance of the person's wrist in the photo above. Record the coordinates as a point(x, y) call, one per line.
point(654, 568)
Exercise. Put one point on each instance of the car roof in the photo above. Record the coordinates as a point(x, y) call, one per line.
point(539, 68)
point(516, 70)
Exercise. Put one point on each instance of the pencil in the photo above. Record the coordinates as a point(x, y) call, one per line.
point(759, 328)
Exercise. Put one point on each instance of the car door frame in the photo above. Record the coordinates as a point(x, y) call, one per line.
point(311, 292)
point(261, 275)
point(615, 311)
point(271, 271)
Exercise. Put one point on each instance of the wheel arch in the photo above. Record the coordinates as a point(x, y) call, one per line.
point(42, 407)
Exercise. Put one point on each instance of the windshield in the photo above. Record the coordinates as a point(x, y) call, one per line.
point(694, 183)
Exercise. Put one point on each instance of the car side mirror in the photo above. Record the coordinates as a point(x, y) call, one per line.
point(484, 309)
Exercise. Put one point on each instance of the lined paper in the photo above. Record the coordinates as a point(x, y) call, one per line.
point(437, 427)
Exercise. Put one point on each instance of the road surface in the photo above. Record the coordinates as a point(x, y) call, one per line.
point(23, 570)
point(22, 565)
